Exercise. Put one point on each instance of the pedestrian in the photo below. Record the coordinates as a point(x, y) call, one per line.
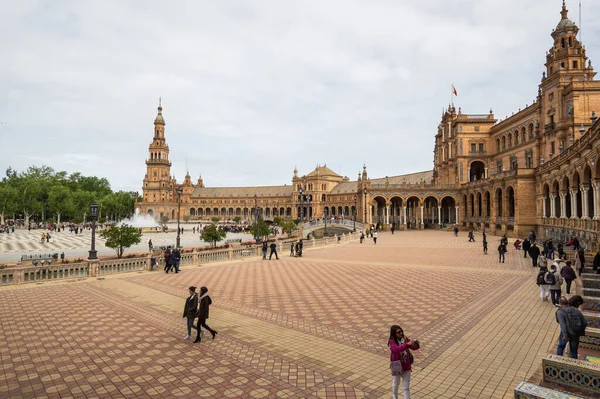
point(292, 249)
point(190, 309)
point(48, 237)
point(580, 260)
point(596, 264)
point(568, 274)
point(362, 237)
point(203, 310)
point(393, 228)
point(501, 252)
point(541, 282)
point(526, 246)
point(555, 280)
point(374, 237)
point(485, 246)
point(150, 245)
point(550, 247)
point(471, 236)
point(273, 247)
point(264, 249)
point(534, 252)
point(401, 360)
point(167, 257)
point(176, 259)
point(576, 245)
point(572, 326)
point(455, 231)
point(543, 261)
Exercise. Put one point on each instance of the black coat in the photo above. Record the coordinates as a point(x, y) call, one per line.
point(191, 306)
point(203, 309)
point(534, 251)
point(526, 245)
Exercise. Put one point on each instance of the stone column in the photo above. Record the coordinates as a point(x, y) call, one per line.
point(486, 173)
point(404, 215)
point(585, 209)
point(371, 214)
point(450, 213)
point(456, 220)
point(596, 188)
point(573, 204)
point(387, 214)
point(440, 215)
point(422, 222)
point(544, 206)
point(552, 206)
point(563, 205)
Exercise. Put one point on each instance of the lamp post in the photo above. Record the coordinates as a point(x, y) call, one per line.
point(354, 228)
point(365, 220)
point(301, 206)
point(256, 216)
point(93, 213)
point(325, 220)
point(179, 191)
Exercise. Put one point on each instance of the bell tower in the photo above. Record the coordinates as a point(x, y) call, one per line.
point(157, 182)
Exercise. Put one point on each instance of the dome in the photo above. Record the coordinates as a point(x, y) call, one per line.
point(159, 119)
point(565, 23)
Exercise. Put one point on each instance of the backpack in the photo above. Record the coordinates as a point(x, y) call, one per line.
point(549, 278)
point(575, 326)
point(540, 279)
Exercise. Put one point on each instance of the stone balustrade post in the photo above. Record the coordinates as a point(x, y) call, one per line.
point(230, 253)
point(18, 276)
point(195, 257)
point(93, 268)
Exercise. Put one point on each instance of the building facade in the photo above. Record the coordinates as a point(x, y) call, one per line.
point(536, 170)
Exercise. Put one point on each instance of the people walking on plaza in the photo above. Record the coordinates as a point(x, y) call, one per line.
point(543, 261)
point(504, 240)
point(43, 237)
point(485, 245)
point(374, 238)
point(550, 249)
point(568, 274)
point(362, 237)
point(48, 237)
point(526, 246)
point(572, 326)
point(576, 245)
point(534, 252)
point(531, 237)
point(292, 249)
point(471, 236)
point(150, 245)
point(455, 231)
point(264, 249)
point(203, 310)
point(554, 280)
point(393, 228)
point(560, 249)
point(580, 260)
point(273, 247)
point(501, 252)
point(541, 282)
point(176, 259)
point(401, 360)
point(190, 309)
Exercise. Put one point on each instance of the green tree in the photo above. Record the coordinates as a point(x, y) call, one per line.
point(261, 229)
point(186, 218)
point(215, 219)
point(212, 234)
point(164, 219)
point(121, 237)
point(287, 226)
point(8, 200)
point(237, 219)
point(60, 201)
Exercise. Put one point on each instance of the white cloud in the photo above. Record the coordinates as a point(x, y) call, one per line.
point(251, 89)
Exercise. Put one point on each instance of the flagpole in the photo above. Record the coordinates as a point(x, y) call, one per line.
point(451, 99)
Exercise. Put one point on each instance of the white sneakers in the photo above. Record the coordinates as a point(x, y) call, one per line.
point(186, 337)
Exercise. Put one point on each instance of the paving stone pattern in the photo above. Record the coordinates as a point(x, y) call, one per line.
point(311, 327)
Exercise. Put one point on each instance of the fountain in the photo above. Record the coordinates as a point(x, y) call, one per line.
point(145, 222)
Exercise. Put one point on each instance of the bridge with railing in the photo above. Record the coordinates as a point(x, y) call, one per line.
point(331, 226)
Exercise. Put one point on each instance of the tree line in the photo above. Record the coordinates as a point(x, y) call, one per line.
point(40, 193)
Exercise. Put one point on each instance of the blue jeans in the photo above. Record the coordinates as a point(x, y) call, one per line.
point(573, 346)
point(264, 254)
point(190, 323)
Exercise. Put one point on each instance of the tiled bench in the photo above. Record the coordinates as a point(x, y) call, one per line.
point(591, 339)
point(572, 373)
point(526, 390)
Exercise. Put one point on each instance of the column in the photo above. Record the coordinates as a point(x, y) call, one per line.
point(573, 204)
point(371, 214)
point(585, 211)
point(486, 172)
point(440, 215)
point(456, 220)
point(596, 188)
point(552, 206)
point(404, 215)
point(387, 214)
point(449, 150)
point(422, 222)
point(544, 206)
point(563, 205)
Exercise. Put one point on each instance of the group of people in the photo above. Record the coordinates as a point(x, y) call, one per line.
point(372, 232)
point(197, 307)
point(296, 248)
point(172, 259)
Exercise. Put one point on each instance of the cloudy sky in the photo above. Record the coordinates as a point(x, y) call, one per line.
point(252, 88)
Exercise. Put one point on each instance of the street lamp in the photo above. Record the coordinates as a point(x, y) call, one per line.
point(325, 220)
point(301, 206)
point(354, 228)
point(365, 220)
point(256, 216)
point(93, 214)
point(179, 191)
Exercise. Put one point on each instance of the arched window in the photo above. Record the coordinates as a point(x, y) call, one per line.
point(498, 145)
point(523, 135)
point(516, 137)
point(504, 143)
point(531, 131)
point(509, 140)
point(323, 197)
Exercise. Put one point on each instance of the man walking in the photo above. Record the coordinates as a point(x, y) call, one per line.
point(534, 252)
point(374, 234)
point(555, 280)
point(264, 249)
point(501, 252)
point(273, 247)
point(572, 326)
point(526, 246)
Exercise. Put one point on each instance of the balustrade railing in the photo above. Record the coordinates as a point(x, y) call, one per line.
point(121, 265)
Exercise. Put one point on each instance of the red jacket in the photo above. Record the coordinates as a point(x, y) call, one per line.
point(400, 352)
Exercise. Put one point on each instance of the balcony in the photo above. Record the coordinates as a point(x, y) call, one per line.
point(549, 127)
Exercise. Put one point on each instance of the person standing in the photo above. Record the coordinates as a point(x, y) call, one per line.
point(568, 274)
point(541, 282)
point(485, 246)
point(202, 314)
point(362, 237)
point(273, 247)
point(150, 245)
point(292, 249)
point(555, 281)
point(393, 228)
point(177, 259)
point(526, 246)
point(543, 261)
point(580, 260)
point(374, 237)
point(534, 252)
point(264, 249)
point(501, 252)
point(190, 309)
point(572, 326)
point(400, 360)
point(455, 231)
point(471, 236)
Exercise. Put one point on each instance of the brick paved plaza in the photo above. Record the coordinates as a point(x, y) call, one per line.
point(312, 327)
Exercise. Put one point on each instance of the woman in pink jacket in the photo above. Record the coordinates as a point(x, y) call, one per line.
point(400, 360)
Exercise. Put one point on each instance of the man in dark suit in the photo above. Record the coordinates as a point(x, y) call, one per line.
point(534, 252)
point(190, 310)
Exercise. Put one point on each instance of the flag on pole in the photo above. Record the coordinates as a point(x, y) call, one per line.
point(454, 91)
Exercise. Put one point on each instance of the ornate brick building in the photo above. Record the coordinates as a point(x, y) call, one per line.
point(536, 170)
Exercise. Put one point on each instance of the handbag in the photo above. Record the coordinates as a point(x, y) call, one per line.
point(411, 357)
point(396, 367)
